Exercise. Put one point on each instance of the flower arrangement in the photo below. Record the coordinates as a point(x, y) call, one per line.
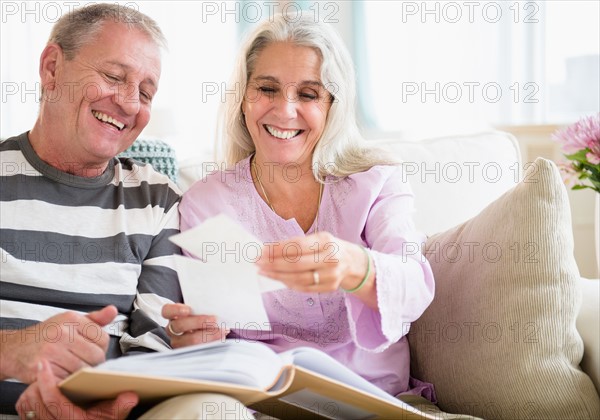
point(581, 146)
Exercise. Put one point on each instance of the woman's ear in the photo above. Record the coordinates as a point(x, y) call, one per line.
point(49, 62)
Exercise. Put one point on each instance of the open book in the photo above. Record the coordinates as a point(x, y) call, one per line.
point(296, 383)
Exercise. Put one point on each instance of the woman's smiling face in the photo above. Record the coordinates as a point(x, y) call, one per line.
point(285, 104)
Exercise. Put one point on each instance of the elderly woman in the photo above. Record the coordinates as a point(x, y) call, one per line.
point(303, 176)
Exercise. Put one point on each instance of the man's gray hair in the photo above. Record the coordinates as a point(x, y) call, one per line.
point(82, 25)
point(341, 151)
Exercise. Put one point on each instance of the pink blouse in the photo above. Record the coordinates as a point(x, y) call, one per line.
point(371, 208)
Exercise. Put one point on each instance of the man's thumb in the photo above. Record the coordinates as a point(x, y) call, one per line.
point(104, 316)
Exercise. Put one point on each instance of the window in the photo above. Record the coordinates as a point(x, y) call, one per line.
point(422, 66)
point(572, 59)
point(444, 65)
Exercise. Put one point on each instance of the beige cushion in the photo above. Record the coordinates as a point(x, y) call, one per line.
point(499, 339)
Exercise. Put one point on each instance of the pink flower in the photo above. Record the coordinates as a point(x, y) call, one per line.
point(594, 159)
point(583, 134)
point(568, 174)
point(581, 145)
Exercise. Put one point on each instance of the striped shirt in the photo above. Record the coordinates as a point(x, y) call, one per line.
point(79, 244)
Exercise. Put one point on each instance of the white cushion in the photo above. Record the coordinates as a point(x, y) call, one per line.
point(454, 178)
point(194, 169)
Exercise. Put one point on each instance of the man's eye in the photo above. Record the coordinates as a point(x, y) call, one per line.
point(113, 78)
point(147, 97)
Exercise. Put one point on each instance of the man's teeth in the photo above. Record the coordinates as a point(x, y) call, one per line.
point(103, 117)
point(288, 134)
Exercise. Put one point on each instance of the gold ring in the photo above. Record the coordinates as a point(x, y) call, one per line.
point(316, 278)
point(170, 328)
point(30, 415)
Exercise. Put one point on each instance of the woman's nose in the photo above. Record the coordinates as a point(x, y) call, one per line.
point(286, 105)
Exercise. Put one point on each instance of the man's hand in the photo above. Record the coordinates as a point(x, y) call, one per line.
point(67, 341)
point(44, 399)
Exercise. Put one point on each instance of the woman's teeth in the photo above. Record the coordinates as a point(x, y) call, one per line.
point(286, 135)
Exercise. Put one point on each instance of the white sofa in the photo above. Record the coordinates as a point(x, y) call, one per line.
point(454, 179)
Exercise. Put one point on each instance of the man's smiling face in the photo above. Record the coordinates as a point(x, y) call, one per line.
point(103, 96)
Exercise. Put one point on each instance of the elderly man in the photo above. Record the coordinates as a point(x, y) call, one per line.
point(84, 236)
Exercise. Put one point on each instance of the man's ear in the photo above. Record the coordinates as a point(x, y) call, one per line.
point(49, 62)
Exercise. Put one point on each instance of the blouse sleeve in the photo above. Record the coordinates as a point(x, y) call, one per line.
point(404, 280)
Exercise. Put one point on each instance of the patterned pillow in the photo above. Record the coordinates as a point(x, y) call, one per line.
point(156, 153)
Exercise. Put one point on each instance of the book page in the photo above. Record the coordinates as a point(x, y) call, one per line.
point(236, 362)
point(323, 364)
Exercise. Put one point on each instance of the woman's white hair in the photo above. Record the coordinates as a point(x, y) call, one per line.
point(341, 150)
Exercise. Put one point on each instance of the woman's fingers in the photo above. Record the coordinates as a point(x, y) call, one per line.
point(175, 310)
point(199, 336)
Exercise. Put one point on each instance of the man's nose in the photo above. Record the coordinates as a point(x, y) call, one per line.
point(127, 97)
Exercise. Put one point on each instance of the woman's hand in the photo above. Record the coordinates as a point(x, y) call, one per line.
point(186, 329)
point(319, 263)
point(43, 400)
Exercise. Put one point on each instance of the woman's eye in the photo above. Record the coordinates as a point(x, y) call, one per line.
point(309, 96)
point(266, 89)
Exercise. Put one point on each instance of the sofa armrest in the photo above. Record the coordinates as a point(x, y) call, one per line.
point(588, 325)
